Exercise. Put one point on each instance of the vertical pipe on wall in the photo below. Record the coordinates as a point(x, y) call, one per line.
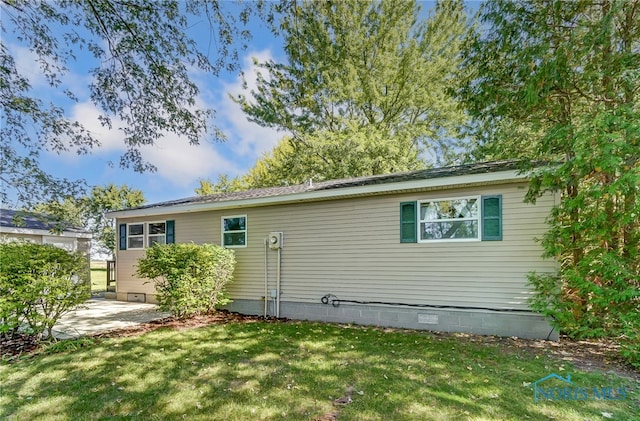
point(278, 284)
point(266, 276)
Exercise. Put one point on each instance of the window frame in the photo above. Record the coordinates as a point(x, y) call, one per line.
point(421, 221)
point(245, 231)
point(146, 233)
point(144, 230)
point(147, 241)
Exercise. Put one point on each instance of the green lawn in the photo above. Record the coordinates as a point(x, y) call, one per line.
point(294, 371)
point(98, 279)
point(98, 276)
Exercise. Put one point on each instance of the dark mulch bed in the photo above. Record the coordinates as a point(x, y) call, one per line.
point(596, 355)
point(219, 317)
point(12, 344)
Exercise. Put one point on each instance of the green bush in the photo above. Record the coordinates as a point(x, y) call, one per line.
point(38, 284)
point(630, 338)
point(189, 278)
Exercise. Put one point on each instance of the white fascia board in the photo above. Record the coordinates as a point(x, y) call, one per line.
point(316, 195)
point(30, 231)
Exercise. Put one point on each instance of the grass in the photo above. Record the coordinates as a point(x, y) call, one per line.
point(98, 276)
point(294, 371)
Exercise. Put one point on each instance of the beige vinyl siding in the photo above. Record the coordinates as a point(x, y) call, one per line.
point(351, 248)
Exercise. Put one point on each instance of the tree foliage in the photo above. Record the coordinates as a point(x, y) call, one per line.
point(89, 212)
point(324, 156)
point(224, 184)
point(142, 52)
point(565, 76)
point(38, 284)
point(361, 79)
point(329, 156)
point(189, 278)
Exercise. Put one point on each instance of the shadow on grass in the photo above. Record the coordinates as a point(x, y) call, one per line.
point(291, 371)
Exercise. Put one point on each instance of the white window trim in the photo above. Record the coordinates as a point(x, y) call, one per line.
point(450, 240)
point(145, 234)
point(246, 229)
point(147, 243)
point(144, 229)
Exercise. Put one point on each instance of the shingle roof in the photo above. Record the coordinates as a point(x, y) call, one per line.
point(19, 219)
point(468, 169)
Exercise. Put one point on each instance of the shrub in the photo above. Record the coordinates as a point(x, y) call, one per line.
point(189, 278)
point(630, 338)
point(38, 284)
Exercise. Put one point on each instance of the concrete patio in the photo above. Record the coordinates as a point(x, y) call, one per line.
point(99, 315)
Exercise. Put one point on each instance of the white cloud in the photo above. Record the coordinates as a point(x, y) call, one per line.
point(183, 164)
point(110, 139)
point(27, 66)
point(246, 138)
point(178, 163)
point(30, 67)
point(176, 160)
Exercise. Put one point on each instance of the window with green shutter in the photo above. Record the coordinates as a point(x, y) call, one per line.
point(492, 218)
point(140, 235)
point(408, 222)
point(459, 219)
point(449, 219)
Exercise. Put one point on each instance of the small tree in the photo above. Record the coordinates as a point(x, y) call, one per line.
point(189, 278)
point(38, 284)
point(89, 212)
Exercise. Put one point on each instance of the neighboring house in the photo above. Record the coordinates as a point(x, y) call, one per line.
point(19, 225)
point(445, 249)
point(40, 229)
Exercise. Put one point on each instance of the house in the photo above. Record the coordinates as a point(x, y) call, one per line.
point(41, 229)
point(445, 249)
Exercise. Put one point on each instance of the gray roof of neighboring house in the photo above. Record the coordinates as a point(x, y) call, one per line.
point(10, 218)
point(468, 169)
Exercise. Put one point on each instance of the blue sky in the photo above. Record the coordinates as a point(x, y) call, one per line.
point(180, 165)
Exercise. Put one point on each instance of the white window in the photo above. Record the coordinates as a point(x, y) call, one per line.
point(144, 235)
point(135, 236)
point(157, 233)
point(234, 231)
point(449, 219)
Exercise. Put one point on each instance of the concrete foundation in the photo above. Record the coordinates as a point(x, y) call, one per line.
point(481, 322)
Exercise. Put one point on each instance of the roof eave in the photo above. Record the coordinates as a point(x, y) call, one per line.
point(498, 177)
point(35, 231)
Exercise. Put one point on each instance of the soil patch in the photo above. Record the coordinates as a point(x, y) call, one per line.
point(596, 355)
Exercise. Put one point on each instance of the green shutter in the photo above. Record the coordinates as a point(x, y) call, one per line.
point(492, 218)
point(171, 232)
point(123, 236)
point(408, 222)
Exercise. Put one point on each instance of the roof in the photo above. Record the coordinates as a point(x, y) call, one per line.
point(22, 222)
point(497, 171)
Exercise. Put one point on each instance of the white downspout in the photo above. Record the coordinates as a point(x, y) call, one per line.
point(266, 276)
point(278, 285)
